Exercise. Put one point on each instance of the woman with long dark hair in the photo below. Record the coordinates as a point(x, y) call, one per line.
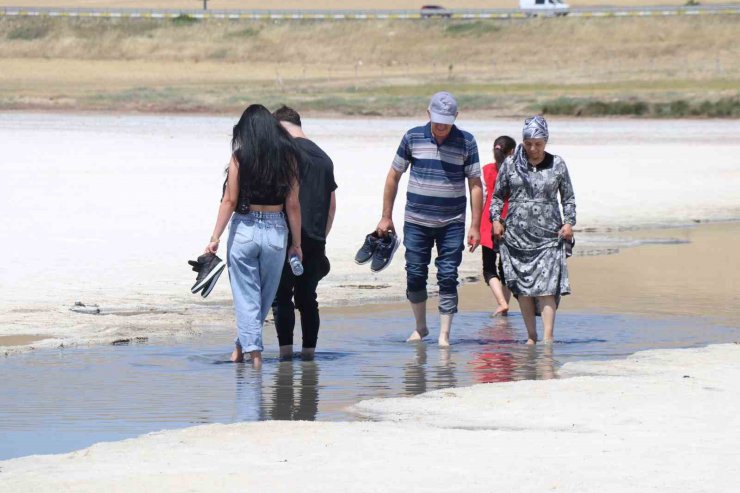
point(533, 250)
point(261, 188)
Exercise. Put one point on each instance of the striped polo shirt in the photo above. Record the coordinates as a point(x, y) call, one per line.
point(436, 191)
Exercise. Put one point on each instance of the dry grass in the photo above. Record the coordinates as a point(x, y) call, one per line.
point(328, 4)
point(350, 67)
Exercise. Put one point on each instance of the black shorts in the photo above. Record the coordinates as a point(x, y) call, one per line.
point(492, 266)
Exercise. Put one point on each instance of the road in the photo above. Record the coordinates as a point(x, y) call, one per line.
point(730, 9)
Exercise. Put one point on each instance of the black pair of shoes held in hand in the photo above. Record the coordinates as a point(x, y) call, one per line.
point(569, 247)
point(378, 250)
point(209, 267)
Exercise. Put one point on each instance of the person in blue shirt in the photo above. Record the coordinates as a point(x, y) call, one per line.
point(441, 158)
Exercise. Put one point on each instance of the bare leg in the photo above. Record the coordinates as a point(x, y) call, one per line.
point(256, 359)
point(507, 293)
point(526, 304)
point(237, 356)
point(498, 292)
point(308, 353)
point(286, 352)
point(420, 315)
point(548, 307)
point(445, 324)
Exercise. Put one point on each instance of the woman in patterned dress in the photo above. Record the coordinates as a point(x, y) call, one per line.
point(534, 235)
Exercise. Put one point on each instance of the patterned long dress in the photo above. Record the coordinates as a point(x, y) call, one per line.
point(532, 254)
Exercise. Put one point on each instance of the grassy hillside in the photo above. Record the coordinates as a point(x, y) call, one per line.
point(649, 66)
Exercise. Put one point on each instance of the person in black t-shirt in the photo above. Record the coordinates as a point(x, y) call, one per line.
point(318, 204)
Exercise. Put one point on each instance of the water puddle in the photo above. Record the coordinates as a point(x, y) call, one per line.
point(62, 400)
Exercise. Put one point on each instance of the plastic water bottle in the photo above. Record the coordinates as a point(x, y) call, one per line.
point(295, 265)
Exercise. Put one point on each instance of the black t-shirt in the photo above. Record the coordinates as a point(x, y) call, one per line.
point(317, 183)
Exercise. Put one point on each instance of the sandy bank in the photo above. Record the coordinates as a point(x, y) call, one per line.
point(19, 340)
point(697, 278)
point(24, 328)
point(656, 421)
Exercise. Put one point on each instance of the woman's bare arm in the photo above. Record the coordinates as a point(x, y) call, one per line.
point(227, 207)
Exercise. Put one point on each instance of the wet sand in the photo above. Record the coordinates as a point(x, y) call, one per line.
point(19, 340)
point(698, 278)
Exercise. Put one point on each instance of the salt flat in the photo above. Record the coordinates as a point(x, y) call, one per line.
point(660, 420)
point(107, 209)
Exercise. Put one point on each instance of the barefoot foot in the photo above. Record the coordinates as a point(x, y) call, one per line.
point(444, 341)
point(501, 311)
point(531, 342)
point(237, 356)
point(418, 335)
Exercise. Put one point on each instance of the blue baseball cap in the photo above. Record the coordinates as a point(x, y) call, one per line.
point(443, 108)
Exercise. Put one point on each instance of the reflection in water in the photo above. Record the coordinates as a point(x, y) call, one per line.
point(501, 358)
point(535, 363)
point(414, 372)
point(445, 374)
point(295, 394)
point(248, 400)
point(494, 361)
point(294, 398)
point(415, 377)
point(92, 394)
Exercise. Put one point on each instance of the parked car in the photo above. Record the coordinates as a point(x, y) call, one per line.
point(544, 7)
point(428, 11)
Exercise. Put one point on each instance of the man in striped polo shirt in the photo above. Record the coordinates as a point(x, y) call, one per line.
point(441, 157)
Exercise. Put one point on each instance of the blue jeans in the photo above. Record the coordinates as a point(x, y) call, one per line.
point(419, 241)
point(257, 243)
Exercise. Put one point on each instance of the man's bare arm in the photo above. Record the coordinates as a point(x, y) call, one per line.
point(389, 197)
point(476, 200)
point(476, 206)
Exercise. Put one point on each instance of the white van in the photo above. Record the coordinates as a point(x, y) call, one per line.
point(544, 7)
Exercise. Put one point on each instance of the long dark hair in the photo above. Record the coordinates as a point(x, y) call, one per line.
point(266, 153)
point(502, 147)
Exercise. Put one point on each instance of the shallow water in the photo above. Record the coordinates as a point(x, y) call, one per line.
point(62, 400)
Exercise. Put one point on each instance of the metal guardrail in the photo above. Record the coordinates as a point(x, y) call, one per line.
point(364, 14)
